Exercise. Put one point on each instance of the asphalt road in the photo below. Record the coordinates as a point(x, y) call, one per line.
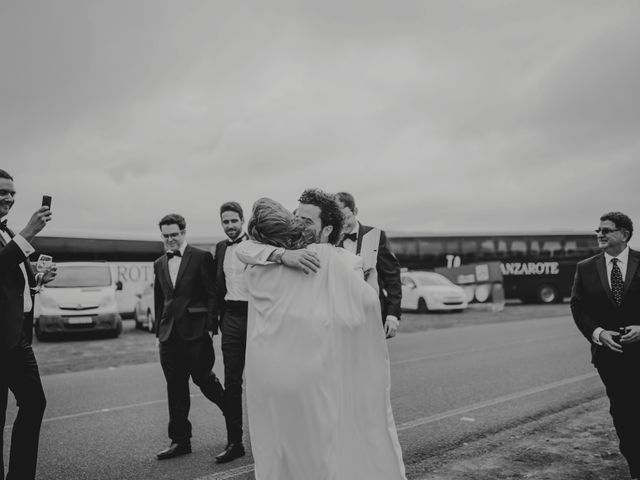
point(449, 386)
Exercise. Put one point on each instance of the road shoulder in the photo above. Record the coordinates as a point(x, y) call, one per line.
point(578, 443)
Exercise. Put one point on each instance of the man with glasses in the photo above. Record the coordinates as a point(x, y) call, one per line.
point(185, 308)
point(605, 303)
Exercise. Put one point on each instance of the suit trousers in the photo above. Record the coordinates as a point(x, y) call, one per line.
point(19, 373)
point(181, 359)
point(234, 345)
point(624, 402)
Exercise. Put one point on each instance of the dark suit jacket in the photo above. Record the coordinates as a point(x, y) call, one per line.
point(592, 305)
point(221, 281)
point(13, 321)
point(189, 306)
point(388, 268)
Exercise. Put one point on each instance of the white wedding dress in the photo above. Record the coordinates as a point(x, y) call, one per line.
point(317, 374)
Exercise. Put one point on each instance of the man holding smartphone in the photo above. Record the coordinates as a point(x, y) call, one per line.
point(18, 366)
point(605, 302)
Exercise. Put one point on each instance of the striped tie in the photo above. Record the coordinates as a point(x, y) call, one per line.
point(617, 285)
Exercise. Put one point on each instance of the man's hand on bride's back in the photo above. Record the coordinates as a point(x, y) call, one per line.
point(302, 259)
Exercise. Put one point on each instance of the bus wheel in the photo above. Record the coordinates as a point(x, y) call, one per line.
point(422, 306)
point(547, 294)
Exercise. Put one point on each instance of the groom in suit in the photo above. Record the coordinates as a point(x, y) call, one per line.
point(605, 303)
point(18, 366)
point(184, 293)
point(232, 311)
point(381, 266)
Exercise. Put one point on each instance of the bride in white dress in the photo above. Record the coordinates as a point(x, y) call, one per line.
point(317, 365)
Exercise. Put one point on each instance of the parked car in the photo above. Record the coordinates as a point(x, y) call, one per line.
point(82, 298)
point(430, 291)
point(144, 313)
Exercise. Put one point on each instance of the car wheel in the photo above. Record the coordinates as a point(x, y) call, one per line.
point(422, 306)
point(547, 293)
point(139, 325)
point(151, 325)
point(40, 335)
point(118, 330)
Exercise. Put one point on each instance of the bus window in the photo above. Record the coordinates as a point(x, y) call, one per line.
point(404, 248)
point(518, 248)
point(487, 250)
point(550, 248)
point(469, 250)
point(502, 248)
point(430, 251)
point(534, 248)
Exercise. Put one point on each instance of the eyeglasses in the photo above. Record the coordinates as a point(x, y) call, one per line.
point(606, 231)
point(167, 236)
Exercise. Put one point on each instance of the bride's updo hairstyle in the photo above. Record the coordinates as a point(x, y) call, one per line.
point(272, 224)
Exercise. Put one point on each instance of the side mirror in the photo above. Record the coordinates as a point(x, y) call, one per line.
point(118, 285)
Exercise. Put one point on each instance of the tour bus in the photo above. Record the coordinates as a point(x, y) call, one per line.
point(535, 267)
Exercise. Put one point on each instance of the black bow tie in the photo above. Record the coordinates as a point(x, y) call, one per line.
point(234, 242)
point(171, 254)
point(350, 236)
point(3, 225)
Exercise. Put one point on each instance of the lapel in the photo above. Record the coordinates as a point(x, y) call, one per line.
point(632, 266)
point(31, 277)
point(361, 232)
point(602, 273)
point(221, 254)
point(164, 270)
point(183, 265)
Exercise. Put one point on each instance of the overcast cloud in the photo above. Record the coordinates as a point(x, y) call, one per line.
point(437, 115)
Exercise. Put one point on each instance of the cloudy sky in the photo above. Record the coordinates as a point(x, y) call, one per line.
point(437, 115)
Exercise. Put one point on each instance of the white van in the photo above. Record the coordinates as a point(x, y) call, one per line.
point(82, 298)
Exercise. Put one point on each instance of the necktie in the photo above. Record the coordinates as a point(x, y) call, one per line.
point(3, 225)
point(617, 285)
point(171, 254)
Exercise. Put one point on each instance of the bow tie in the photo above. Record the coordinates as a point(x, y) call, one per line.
point(171, 254)
point(3, 225)
point(350, 236)
point(236, 241)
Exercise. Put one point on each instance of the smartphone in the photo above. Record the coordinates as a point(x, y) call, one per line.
point(46, 201)
point(44, 263)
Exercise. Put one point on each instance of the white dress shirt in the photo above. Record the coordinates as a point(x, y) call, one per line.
point(27, 249)
point(174, 264)
point(234, 275)
point(623, 262)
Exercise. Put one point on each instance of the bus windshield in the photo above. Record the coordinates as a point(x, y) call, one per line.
point(81, 276)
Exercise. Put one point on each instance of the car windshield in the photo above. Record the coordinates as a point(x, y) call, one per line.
point(81, 276)
point(429, 279)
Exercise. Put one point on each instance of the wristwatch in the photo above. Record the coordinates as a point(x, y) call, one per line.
point(277, 255)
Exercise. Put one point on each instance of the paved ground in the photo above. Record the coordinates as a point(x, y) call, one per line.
point(575, 443)
point(72, 353)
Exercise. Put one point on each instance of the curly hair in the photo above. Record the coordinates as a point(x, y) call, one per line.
point(620, 220)
point(272, 224)
point(330, 213)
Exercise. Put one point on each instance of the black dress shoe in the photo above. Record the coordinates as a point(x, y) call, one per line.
point(231, 452)
point(174, 450)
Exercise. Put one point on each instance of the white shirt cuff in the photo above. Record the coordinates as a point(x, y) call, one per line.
point(25, 246)
point(595, 336)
